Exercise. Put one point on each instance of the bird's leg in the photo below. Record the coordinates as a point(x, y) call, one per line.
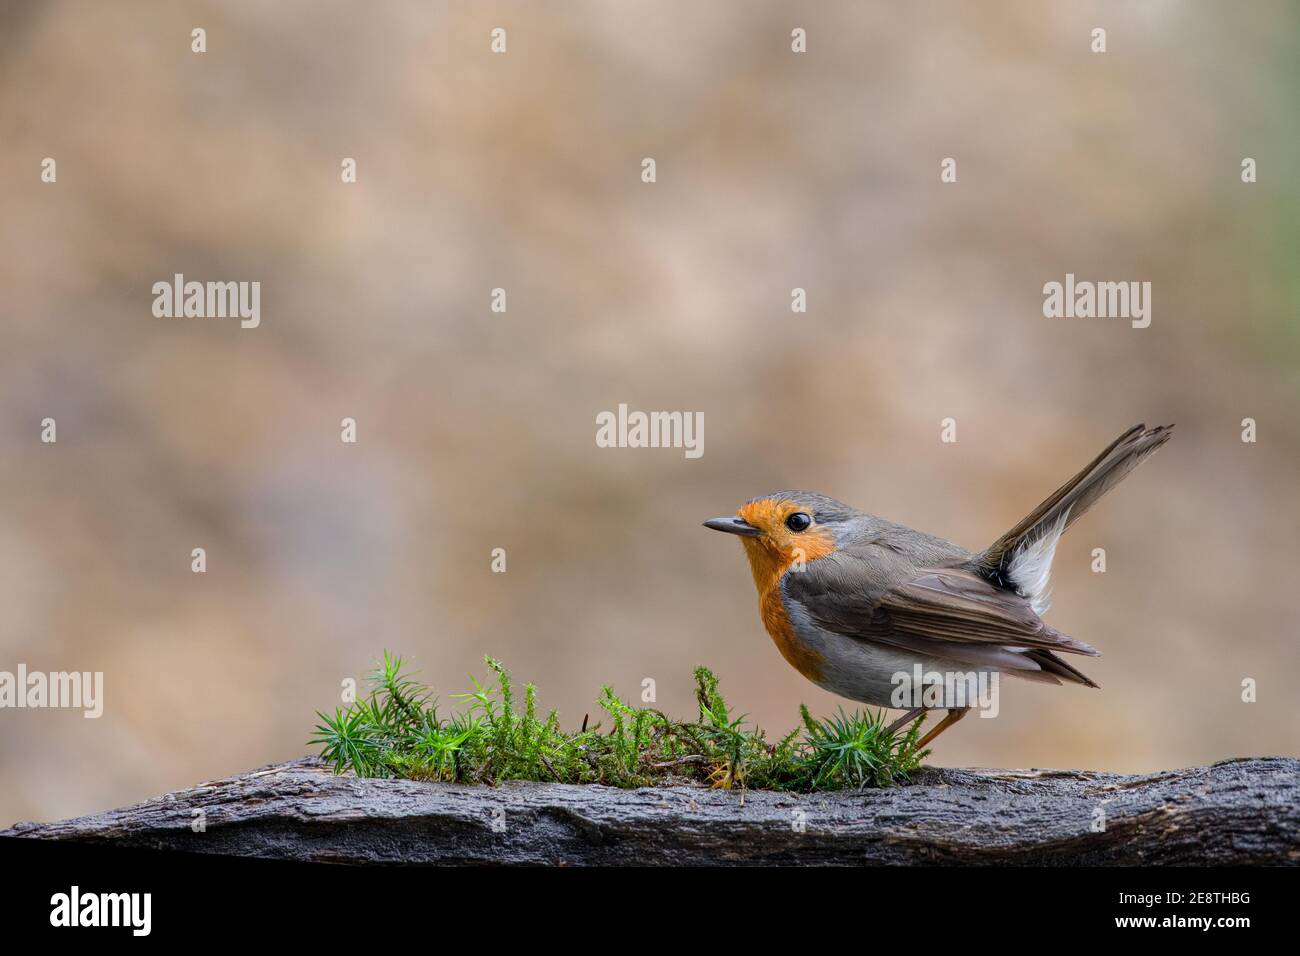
point(953, 715)
point(906, 719)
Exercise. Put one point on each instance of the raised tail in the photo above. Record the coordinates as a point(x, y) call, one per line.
point(1021, 559)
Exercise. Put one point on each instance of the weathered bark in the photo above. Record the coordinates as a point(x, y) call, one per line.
point(1235, 812)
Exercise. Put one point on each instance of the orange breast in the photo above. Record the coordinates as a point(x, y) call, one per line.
point(800, 656)
point(773, 553)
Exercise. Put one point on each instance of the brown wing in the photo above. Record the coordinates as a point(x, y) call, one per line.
point(953, 604)
point(941, 612)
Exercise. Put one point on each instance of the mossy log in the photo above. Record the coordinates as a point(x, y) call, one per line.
point(1244, 811)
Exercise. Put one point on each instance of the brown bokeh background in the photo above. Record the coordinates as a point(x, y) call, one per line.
point(476, 430)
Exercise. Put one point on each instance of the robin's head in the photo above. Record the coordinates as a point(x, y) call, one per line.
point(781, 529)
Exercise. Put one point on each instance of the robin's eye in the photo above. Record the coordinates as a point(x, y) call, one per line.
point(799, 521)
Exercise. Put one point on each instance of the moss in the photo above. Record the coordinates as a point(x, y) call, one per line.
point(397, 731)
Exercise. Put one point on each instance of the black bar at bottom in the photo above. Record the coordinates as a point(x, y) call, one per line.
point(198, 897)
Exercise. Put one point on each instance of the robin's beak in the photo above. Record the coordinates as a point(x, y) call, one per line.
point(733, 525)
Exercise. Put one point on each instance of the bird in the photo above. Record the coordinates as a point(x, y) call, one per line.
point(852, 600)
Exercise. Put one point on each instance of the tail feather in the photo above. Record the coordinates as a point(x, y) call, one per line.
point(1052, 664)
point(1022, 557)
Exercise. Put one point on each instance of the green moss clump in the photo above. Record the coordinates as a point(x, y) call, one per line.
point(398, 731)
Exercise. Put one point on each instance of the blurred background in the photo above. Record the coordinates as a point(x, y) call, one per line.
point(476, 430)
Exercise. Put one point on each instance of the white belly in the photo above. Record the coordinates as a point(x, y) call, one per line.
point(867, 672)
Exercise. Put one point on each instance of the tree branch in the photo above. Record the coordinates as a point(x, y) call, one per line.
point(1243, 811)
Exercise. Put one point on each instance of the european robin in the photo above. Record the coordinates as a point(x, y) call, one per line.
point(853, 600)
